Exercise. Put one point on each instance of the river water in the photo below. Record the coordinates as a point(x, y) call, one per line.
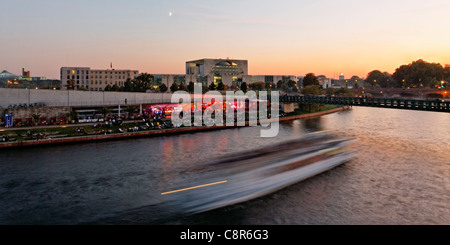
point(401, 175)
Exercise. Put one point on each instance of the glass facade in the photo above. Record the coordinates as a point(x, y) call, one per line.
point(227, 68)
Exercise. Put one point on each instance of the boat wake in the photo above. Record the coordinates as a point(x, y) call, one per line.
point(247, 175)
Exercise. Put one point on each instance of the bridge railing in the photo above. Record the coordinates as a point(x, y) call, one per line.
point(400, 103)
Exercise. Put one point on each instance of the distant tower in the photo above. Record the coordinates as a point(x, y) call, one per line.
point(25, 73)
point(341, 77)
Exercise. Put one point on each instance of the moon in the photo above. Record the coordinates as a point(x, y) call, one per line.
point(170, 13)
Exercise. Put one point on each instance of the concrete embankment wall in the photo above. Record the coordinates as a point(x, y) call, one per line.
point(71, 98)
point(164, 132)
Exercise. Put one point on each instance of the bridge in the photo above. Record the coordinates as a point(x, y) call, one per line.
point(396, 103)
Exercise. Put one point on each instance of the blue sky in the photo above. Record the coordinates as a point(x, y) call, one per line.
point(277, 37)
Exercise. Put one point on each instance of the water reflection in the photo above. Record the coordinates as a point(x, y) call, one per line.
point(313, 124)
point(400, 176)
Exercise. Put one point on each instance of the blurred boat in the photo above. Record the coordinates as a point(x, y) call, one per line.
point(248, 175)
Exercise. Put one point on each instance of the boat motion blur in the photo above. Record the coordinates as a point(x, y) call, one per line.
point(247, 175)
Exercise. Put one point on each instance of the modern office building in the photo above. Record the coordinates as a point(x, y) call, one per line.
point(94, 79)
point(229, 72)
point(206, 71)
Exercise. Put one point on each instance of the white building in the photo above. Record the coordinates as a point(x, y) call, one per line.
point(324, 81)
point(94, 79)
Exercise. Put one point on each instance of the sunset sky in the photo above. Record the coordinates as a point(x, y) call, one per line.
point(288, 37)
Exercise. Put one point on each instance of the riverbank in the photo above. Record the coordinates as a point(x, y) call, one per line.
point(49, 140)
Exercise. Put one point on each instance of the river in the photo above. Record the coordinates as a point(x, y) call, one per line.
point(401, 175)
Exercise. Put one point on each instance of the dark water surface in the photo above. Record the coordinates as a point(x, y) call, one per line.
point(401, 175)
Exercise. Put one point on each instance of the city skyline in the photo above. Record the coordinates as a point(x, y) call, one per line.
point(288, 37)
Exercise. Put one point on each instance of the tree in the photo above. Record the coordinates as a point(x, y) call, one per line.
point(143, 82)
point(244, 87)
point(378, 78)
point(257, 86)
point(329, 91)
point(173, 87)
point(115, 88)
point(419, 74)
point(280, 84)
point(354, 80)
point(344, 92)
point(212, 86)
point(447, 73)
point(163, 88)
point(205, 88)
point(191, 87)
point(128, 86)
point(234, 87)
point(310, 79)
point(311, 90)
point(70, 84)
point(292, 84)
point(220, 86)
point(182, 87)
point(108, 88)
